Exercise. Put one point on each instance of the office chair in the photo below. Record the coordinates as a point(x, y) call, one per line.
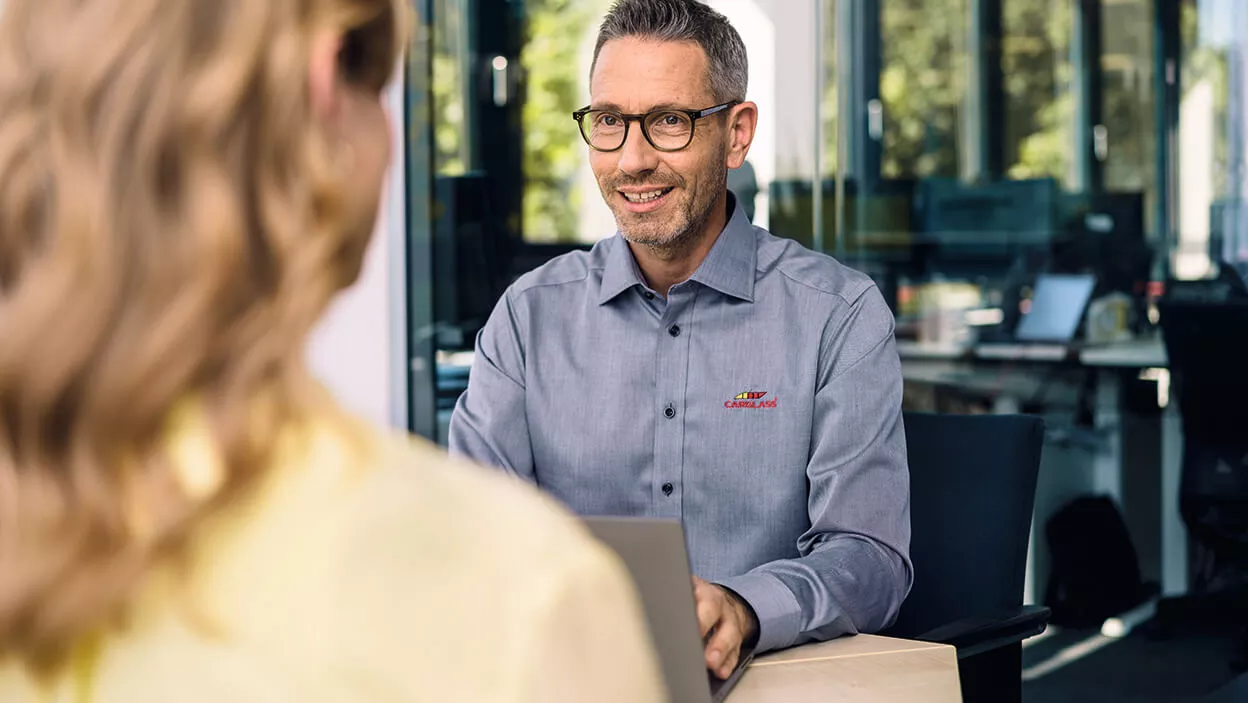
point(1234, 692)
point(1207, 345)
point(972, 488)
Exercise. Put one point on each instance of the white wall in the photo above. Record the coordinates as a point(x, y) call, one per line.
point(359, 351)
point(793, 85)
point(758, 30)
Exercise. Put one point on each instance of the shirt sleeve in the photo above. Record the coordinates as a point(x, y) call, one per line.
point(489, 424)
point(854, 570)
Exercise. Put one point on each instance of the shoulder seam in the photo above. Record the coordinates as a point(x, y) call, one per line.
point(818, 289)
point(517, 292)
point(851, 365)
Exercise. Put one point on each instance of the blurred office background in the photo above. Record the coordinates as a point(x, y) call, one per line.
point(966, 154)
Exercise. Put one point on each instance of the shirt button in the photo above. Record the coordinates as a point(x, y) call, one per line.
point(674, 330)
point(669, 412)
point(649, 295)
point(668, 488)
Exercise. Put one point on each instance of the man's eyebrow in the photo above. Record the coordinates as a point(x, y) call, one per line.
point(612, 107)
point(605, 106)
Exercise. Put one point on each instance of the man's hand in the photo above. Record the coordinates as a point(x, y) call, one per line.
point(726, 623)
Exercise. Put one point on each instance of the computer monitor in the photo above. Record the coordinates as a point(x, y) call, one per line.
point(1103, 234)
point(997, 220)
point(1114, 214)
point(1057, 307)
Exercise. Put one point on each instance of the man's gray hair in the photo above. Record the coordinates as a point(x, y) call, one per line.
point(683, 21)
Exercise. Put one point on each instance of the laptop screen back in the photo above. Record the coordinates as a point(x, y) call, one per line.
point(1057, 306)
point(654, 552)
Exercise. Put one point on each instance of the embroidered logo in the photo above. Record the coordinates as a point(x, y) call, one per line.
point(751, 400)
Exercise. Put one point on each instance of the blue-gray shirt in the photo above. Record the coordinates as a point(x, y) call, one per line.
point(760, 403)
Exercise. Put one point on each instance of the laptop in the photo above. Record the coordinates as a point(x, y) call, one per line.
point(654, 551)
point(1047, 331)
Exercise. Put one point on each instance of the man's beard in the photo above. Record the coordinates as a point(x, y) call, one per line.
point(687, 218)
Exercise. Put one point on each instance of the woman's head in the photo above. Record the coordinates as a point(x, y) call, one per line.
point(184, 184)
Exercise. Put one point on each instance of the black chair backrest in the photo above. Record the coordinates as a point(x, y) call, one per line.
point(1207, 343)
point(972, 489)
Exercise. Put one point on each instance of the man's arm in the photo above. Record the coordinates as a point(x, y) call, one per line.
point(855, 569)
point(489, 424)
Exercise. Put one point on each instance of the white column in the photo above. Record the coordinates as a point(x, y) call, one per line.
point(359, 350)
point(1197, 127)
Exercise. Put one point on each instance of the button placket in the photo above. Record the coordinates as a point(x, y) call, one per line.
point(671, 368)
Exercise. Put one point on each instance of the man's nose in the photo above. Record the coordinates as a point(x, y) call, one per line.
point(637, 155)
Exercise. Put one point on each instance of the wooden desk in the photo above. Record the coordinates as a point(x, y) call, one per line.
point(862, 668)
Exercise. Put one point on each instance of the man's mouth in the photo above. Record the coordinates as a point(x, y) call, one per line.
point(646, 196)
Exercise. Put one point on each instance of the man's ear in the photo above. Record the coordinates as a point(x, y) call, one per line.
point(323, 78)
point(742, 122)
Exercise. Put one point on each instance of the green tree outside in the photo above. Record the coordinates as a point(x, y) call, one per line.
point(553, 149)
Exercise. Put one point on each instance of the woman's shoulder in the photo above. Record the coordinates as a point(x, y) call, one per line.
point(414, 485)
point(465, 565)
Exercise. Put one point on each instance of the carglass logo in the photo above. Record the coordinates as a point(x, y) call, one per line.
point(751, 400)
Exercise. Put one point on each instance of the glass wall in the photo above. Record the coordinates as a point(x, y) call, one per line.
point(955, 151)
point(1038, 92)
point(990, 141)
point(559, 192)
point(1210, 140)
point(511, 180)
point(514, 84)
point(1125, 139)
point(952, 149)
point(922, 88)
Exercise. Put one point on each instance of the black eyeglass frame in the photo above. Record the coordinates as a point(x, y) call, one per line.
point(694, 116)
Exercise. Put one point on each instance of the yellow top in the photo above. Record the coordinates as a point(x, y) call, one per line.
point(370, 567)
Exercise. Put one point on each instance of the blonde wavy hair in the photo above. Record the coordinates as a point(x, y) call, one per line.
point(170, 226)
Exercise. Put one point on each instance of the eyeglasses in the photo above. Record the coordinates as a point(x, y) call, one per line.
point(668, 129)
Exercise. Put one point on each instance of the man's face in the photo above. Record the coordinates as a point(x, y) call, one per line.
point(659, 198)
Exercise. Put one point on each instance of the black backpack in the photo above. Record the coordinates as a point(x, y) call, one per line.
point(1094, 569)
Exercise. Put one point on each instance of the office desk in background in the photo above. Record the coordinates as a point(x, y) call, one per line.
point(858, 669)
point(1150, 458)
point(1140, 464)
point(1147, 352)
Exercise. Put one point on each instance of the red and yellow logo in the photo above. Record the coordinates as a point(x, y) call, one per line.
point(751, 400)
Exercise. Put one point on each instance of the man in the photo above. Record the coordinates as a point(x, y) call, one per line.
point(696, 367)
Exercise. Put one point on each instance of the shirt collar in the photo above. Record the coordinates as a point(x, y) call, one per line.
point(620, 273)
point(728, 267)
